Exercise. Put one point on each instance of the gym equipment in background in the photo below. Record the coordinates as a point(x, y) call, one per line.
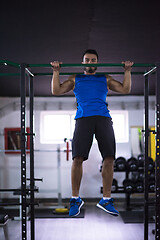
point(3, 224)
point(132, 164)
point(120, 164)
point(27, 70)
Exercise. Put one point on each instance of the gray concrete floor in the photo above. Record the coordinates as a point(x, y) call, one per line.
point(96, 225)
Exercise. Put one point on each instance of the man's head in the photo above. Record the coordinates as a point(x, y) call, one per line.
point(90, 56)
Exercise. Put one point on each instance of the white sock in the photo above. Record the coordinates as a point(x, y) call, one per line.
point(106, 198)
point(75, 197)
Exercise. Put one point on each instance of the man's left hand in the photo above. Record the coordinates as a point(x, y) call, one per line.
point(127, 65)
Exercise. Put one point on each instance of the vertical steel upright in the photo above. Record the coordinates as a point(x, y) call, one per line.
point(146, 131)
point(23, 150)
point(157, 166)
point(32, 182)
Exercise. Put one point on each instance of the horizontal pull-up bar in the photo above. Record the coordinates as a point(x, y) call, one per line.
point(17, 65)
point(92, 65)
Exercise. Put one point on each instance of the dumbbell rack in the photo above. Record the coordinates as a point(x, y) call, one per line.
point(121, 189)
point(128, 194)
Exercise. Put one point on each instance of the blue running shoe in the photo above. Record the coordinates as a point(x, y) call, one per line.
point(107, 206)
point(75, 206)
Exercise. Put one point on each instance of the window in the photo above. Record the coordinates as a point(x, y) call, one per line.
point(55, 126)
point(120, 125)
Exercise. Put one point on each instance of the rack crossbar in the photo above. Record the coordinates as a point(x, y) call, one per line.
point(9, 63)
point(150, 71)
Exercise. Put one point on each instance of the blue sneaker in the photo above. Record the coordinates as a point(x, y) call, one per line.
point(107, 206)
point(75, 206)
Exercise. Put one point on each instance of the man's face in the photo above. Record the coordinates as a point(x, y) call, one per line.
point(90, 59)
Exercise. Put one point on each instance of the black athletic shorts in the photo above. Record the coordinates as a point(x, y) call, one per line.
point(85, 129)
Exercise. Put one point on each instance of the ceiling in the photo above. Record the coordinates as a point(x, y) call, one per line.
point(43, 31)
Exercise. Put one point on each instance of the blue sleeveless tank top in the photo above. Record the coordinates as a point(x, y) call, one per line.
point(91, 92)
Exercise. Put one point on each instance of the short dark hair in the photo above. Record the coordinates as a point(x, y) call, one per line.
point(91, 51)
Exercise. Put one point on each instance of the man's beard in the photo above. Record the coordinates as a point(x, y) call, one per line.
point(90, 69)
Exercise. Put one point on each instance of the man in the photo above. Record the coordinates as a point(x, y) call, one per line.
point(92, 117)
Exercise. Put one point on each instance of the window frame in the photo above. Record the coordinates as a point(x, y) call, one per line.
point(125, 113)
point(52, 113)
point(71, 114)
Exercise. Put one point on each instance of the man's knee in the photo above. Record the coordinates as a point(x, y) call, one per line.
point(78, 161)
point(108, 161)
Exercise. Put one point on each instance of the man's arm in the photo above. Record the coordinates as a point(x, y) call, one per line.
point(125, 86)
point(58, 88)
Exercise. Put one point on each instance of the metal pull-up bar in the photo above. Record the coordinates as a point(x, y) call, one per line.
point(92, 65)
point(75, 65)
point(17, 65)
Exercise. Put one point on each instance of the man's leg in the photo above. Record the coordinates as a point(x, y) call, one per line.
point(81, 144)
point(107, 176)
point(106, 203)
point(76, 175)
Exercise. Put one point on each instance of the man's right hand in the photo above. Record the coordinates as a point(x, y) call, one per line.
point(56, 65)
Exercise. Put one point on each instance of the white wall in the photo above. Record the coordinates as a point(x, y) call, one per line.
point(46, 162)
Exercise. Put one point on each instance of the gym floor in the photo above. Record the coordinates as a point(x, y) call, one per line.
point(95, 225)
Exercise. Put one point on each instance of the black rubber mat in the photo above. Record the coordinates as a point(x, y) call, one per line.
point(136, 216)
point(41, 213)
point(50, 213)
